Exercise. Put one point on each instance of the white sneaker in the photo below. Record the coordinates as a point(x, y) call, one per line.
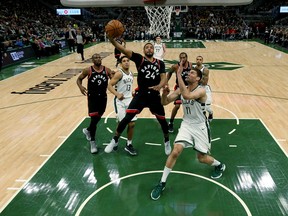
point(87, 134)
point(110, 146)
point(167, 147)
point(93, 147)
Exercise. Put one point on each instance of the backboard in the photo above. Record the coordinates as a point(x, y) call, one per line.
point(136, 3)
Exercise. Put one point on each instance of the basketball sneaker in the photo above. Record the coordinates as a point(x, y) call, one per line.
point(157, 191)
point(130, 149)
point(170, 128)
point(109, 148)
point(218, 171)
point(87, 134)
point(210, 117)
point(93, 147)
point(167, 147)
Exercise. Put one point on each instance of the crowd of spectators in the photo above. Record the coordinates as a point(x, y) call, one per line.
point(203, 23)
point(207, 24)
point(36, 25)
point(136, 23)
point(275, 29)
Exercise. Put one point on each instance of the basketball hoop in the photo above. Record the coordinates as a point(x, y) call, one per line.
point(159, 19)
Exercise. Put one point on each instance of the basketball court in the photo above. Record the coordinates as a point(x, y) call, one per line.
point(47, 168)
point(75, 182)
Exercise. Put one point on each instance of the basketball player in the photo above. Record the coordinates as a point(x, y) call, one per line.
point(123, 82)
point(159, 49)
point(204, 82)
point(117, 53)
point(186, 68)
point(98, 76)
point(194, 129)
point(151, 78)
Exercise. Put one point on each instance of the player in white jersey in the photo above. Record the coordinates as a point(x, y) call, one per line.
point(186, 68)
point(194, 129)
point(159, 49)
point(204, 82)
point(123, 82)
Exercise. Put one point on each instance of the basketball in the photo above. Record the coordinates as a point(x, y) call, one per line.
point(114, 28)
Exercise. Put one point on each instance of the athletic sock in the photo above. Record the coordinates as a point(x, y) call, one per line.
point(116, 138)
point(215, 163)
point(165, 174)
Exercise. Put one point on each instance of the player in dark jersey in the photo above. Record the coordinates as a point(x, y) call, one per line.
point(117, 53)
point(187, 66)
point(98, 76)
point(151, 78)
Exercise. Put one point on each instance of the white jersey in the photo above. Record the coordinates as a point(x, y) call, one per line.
point(194, 130)
point(158, 51)
point(207, 88)
point(202, 69)
point(124, 85)
point(193, 110)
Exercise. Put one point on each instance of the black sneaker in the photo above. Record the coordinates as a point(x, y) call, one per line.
point(157, 191)
point(130, 149)
point(210, 117)
point(170, 128)
point(217, 173)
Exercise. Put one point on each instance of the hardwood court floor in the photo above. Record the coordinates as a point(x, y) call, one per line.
point(33, 126)
point(75, 182)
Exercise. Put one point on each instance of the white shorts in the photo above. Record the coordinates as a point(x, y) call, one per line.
point(194, 135)
point(121, 107)
point(209, 95)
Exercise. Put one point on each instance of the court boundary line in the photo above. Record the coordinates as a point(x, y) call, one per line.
point(79, 210)
point(43, 163)
point(274, 138)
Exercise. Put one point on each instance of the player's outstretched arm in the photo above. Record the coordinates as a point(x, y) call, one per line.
point(166, 99)
point(120, 47)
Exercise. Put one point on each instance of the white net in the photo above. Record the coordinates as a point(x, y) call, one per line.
point(159, 19)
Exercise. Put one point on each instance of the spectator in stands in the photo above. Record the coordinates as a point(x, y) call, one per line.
point(80, 40)
point(71, 37)
point(95, 31)
point(266, 36)
point(49, 46)
point(2, 51)
point(19, 42)
point(36, 47)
